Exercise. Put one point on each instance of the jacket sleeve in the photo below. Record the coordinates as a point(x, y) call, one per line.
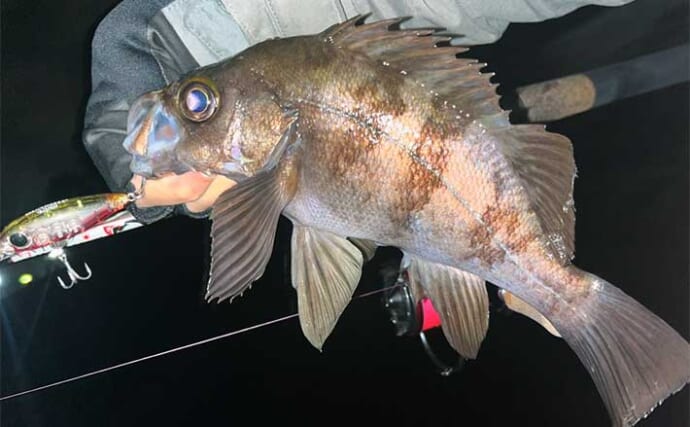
point(474, 21)
point(129, 58)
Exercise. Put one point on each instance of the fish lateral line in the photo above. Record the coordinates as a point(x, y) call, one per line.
point(408, 149)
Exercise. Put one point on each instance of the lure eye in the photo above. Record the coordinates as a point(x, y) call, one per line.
point(198, 102)
point(20, 240)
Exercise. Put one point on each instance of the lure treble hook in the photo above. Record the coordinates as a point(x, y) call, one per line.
point(74, 277)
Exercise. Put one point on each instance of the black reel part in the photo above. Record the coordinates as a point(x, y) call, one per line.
point(445, 369)
point(407, 320)
point(402, 311)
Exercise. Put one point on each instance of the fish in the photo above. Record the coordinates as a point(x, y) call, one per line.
point(368, 135)
point(519, 306)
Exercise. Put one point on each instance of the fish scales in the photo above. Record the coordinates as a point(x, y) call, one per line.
point(377, 122)
point(363, 135)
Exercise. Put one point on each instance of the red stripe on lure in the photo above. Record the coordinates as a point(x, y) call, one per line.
point(51, 226)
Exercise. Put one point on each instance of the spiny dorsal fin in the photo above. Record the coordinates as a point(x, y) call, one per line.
point(544, 161)
point(425, 56)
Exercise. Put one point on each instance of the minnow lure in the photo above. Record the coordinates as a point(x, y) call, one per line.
point(55, 226)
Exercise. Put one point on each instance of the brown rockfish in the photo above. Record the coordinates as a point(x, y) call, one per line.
point(368, 135)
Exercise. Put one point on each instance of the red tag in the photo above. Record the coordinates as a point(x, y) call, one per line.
point(430, 317)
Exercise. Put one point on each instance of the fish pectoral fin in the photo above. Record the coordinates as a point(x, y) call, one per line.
point(461, 300)
point(326, 269)
point(519, 306)
point(245, 219)
point(367, 247)
point(289, 137)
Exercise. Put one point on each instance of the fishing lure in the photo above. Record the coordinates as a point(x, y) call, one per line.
point(52, 227)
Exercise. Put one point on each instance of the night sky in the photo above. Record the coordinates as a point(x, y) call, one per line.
point(146, 292)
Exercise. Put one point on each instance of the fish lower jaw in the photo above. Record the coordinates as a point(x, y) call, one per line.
point(140, 166)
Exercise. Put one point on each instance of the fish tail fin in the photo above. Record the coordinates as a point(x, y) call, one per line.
point(635, 358)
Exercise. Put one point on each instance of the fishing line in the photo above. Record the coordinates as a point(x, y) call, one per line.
point(172, 350)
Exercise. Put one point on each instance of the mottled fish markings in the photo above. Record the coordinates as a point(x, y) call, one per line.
point(373, 134)
point(427, 165)
point(381, 94)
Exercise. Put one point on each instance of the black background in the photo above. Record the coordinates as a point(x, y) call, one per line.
point(146, 293)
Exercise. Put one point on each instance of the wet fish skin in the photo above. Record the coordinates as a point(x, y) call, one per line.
point(361, 132)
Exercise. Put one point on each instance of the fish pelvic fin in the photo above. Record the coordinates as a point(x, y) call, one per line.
point(635, 358)
point(326, 269)
point(459, 297)
point(367, 247)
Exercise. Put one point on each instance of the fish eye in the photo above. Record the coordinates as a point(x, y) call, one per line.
point(198, 102)
point(20, 240)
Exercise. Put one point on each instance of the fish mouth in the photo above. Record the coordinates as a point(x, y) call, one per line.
point(153, 133)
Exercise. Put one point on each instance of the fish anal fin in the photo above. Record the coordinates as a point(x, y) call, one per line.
point(326, 269)
point(244, 222)
point(519, 306)
point(461, 300)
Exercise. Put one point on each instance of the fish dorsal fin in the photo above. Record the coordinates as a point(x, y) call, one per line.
point(424, 56)
point(244, 225)
point(545, 164)
point(326, 269)
point(460, 298)
point(544, 161)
